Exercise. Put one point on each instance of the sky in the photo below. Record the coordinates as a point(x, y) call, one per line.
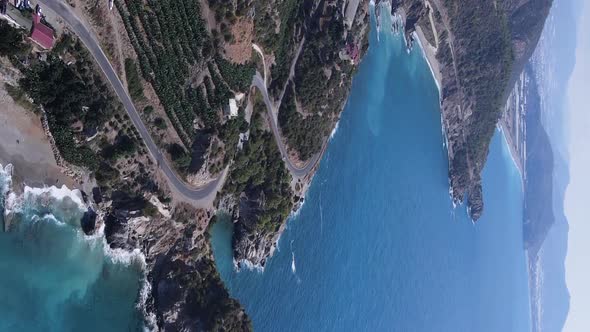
point(577, 197)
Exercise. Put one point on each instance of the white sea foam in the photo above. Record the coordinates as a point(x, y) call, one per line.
point(50, 217)
point(55, 194)
point(144, 295)
point(134, 258)
point(334, 130)
point(444, 133)
point(55, 200)
point(64, 207)
point(293, 268)
point(5, 179)
point(295, 213)
point(248, 265)
point(5, 185)
point(377, 14)
point(293, 263)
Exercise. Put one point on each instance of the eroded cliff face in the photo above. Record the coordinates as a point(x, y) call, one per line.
point(482, 48)
point(186, 291)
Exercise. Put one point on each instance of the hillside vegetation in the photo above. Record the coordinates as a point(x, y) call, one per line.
point(179, 58)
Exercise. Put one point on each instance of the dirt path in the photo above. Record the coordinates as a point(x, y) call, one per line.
point(432, 25)
point(446, 22)
point(291, 72)
point(119, 47)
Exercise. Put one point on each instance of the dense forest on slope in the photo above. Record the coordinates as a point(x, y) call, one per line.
point(484, 61)
point(69, 94)
point(313, 98)
point(482, 48)
point(260, 174)
point(304, 134)
point(11, 43)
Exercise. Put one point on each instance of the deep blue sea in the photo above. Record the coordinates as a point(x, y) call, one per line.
point(55, 278)
point(377, 245)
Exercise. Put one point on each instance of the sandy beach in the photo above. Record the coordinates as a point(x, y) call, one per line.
point(430, 54)
point(24, 145)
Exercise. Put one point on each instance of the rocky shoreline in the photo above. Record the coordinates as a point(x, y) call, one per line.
point(186, 290)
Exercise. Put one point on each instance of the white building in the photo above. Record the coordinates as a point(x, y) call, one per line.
point(232, 109)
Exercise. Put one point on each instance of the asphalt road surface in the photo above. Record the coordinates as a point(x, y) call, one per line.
point(296, 172)
point(193, 194)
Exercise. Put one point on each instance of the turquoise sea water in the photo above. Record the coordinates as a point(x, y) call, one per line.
point(377, 245)
point(54, 278)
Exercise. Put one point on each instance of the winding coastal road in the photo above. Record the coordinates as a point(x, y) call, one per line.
point(296, 172)
point(202, 195)
point(205, 194)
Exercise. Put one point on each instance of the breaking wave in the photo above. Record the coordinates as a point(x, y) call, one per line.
point(293, 267)
point(334, 130)
point(62, 264)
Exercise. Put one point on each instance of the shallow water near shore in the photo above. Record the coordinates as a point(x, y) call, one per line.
point(377, 245)
point(55, 278)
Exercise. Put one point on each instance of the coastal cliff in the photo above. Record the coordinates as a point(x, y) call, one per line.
point(480, 49)
point(187, 293)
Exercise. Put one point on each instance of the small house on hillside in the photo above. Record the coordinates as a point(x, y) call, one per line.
point(231, 111)
point(41, 34)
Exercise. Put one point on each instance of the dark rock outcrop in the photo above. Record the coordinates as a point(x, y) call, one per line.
point(198, 150)
point(88, 221)
point(250, 243)
point(116, 230)
point(97, 195)
point(187, 293)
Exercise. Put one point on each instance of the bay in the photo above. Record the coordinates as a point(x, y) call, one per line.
point(377, 245)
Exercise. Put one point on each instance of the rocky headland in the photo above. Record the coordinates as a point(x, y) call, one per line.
point(187, 293)
point(480, 50)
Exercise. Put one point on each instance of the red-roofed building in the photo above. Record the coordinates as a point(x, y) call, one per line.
point(353, 52)
point(41, 34)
